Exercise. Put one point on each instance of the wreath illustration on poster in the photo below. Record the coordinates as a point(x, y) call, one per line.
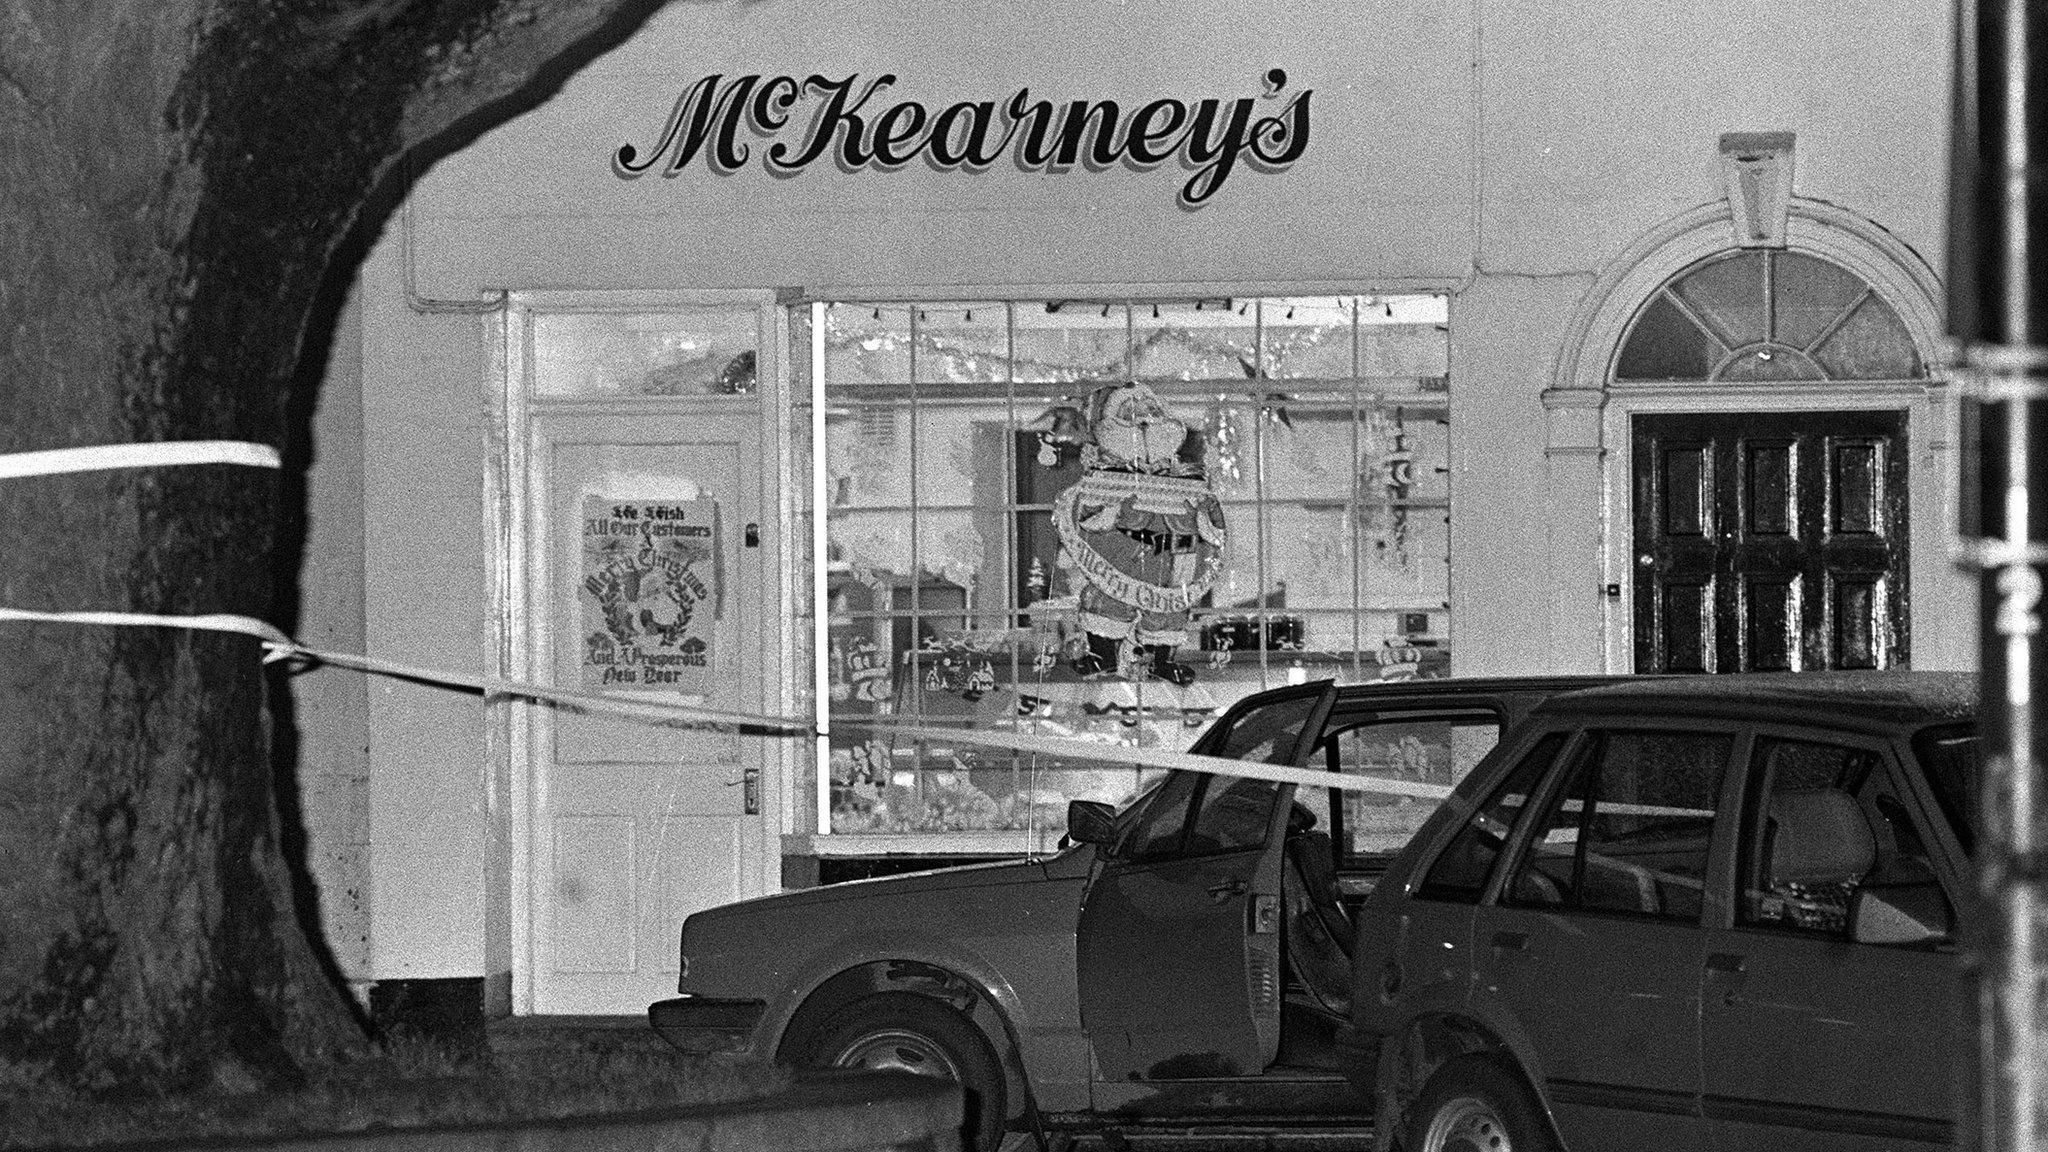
point(649, 594)
point(1141, 529)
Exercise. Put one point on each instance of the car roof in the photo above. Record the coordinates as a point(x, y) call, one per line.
point(1480, 688)
point(1892, 700)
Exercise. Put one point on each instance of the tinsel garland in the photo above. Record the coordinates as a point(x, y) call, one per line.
point(964, 361)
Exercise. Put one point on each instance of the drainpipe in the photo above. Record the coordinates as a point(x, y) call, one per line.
point(1998, 320)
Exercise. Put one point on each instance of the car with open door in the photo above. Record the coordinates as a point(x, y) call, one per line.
point(1703, 913)
point(1184, 963)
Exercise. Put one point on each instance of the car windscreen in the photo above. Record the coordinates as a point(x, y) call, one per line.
point(1948, 756)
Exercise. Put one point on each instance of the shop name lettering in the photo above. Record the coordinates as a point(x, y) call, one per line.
point(1209, 137)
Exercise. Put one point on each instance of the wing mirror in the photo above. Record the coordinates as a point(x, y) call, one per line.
point(1899, 914)
point(1090, 822)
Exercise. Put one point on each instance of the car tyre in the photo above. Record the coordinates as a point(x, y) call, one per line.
point(1475, 1104)
point(906, 1032)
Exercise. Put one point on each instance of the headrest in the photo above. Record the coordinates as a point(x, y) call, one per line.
point(1819, 836)
point(1300, 818)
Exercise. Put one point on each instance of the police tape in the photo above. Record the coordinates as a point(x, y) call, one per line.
point(157, 454)
point(277, 646)
point(1124, 754)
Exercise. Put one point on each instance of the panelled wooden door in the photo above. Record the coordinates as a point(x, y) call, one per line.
point(635, 825)
point(1769, 541)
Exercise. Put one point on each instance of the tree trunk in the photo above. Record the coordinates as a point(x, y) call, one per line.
point(177, 176)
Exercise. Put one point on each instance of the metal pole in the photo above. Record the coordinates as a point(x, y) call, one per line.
point(1996, 285)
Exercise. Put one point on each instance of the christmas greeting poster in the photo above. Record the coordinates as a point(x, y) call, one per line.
point(649, 594)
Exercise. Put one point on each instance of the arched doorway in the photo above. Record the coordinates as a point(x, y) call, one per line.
point(1769, 536)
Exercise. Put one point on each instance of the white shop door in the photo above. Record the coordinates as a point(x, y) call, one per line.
point(655, 588)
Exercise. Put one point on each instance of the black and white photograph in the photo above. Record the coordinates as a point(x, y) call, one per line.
point(1023, 577)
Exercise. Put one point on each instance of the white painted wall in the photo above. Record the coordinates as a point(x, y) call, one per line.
point(1599, 121)
point(1506, 149)
point(1381, 192)
point(331, 707)
point(424, 443)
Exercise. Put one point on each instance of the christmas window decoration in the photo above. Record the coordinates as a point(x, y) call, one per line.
point(1108, 520)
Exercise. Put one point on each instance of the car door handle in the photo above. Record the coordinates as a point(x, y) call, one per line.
point(1510, 941)
point(1218, 893)
point(1728, 970)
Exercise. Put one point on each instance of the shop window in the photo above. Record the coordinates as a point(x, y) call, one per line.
point(1768, 316)
point(1108, 520)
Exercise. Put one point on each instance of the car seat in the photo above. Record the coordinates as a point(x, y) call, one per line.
point(1819, 836)
point(1619, 885)
point(1318, 929)
point(1818, 848)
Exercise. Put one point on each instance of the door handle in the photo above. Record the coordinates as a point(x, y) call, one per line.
point(1728, 970)
point(1218, 893)
point(1510, 941)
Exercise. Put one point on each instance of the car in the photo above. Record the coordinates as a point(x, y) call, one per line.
point(1704, 912)
point(1183, 963)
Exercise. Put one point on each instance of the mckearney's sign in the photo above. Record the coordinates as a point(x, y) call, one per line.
point(1209, 137)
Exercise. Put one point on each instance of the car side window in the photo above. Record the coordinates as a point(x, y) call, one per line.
point(1267, 735)
point(1460, 873)
point(1158, 830)
point(1628, 831)
point(1827, 820)
point(1435, 748)
point(1233, 813)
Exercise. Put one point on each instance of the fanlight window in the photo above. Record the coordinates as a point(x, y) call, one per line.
point(1766, 315)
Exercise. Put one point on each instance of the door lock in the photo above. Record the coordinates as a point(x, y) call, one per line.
point(1265, 915)
point(753, 535)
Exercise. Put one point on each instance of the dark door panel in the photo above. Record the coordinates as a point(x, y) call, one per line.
point(1592, 950)
point(1824, 1044)
point(1770, 613)
point(1685, 622)
point(1165, 945)
point(1179, 945)
point(1770, 541)
point(1610, 1004)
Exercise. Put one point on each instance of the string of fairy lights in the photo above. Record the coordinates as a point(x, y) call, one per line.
point(967, 353)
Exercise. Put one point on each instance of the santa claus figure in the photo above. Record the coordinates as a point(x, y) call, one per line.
point(1141, 530)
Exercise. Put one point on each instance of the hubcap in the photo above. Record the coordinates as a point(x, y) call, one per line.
point(897, 1049)
point(1467, 1125)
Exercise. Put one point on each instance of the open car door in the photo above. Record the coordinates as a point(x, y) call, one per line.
point(1179, 945)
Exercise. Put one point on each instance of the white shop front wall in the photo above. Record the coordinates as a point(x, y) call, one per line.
point(1502, 155)
point(536, 202)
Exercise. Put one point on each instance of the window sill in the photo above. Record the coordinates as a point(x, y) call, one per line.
point(994, 842)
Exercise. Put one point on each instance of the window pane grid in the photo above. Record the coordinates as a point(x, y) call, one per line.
point(1753, 316)
point(942, 615)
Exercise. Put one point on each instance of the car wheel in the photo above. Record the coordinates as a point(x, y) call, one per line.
point(1473, 1104)
point(905, 1032)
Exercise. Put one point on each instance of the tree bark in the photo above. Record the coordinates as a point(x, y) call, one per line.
point(177, 178)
